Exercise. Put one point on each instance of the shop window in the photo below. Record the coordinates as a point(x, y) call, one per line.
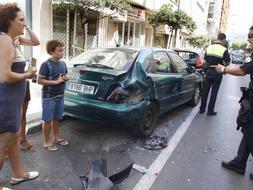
point(137, 34)
point(129, 33)
point(92, 28)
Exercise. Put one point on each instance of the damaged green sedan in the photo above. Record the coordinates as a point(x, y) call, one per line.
point(129, 87)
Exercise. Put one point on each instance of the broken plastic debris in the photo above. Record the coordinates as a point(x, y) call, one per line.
point(139, 168)
point(155, 142)
point(207, 149)
point(97, 177)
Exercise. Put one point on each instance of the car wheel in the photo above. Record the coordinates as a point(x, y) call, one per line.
point(147, 122)
point(196, 97)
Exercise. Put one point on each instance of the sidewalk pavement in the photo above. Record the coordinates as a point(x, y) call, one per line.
point(34, 110)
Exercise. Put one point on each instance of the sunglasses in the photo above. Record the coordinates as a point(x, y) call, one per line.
point(250, 35)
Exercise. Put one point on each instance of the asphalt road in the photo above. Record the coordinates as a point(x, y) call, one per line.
point(194, 164)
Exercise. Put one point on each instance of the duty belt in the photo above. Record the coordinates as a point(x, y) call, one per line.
point(211, 68)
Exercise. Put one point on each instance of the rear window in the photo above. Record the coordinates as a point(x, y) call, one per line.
point(106, 58)
point(239, 55)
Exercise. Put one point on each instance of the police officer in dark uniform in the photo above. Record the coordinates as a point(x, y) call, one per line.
point(215, 54)
point(238, 164)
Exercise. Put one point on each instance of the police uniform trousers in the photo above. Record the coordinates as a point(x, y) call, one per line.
point(246, 145)
point(213, 80)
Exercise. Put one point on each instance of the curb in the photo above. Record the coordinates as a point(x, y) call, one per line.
point(34, 123)
point(34, 127)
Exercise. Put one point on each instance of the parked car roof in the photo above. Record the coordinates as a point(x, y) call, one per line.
point(192, 57)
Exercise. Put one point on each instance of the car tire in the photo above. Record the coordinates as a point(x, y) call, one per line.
point(196, 97)
point(147, 122)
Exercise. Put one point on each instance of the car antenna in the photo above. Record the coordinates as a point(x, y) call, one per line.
point(117, 45)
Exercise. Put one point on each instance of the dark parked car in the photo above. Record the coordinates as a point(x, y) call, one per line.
point(129, 87)
point(237, 58)
point(192, 57)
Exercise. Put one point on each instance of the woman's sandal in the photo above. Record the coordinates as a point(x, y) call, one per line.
point(31, 176)
point(61, 142)
point(50, 148)
point(25, 145)
point(5, 188)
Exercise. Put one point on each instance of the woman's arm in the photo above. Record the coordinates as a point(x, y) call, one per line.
point(7, 54)
point(32, 41)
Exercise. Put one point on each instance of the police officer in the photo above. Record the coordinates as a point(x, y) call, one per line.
point(215, 54)
point(238, 164)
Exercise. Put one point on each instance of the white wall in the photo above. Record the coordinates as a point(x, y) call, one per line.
point(42, 26)
point(21, 3)
point(198, 10)
point(217, 14)
point(153, 4)
point(41, 23)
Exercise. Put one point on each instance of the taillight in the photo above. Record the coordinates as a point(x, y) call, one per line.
point(199, 63)
point(119, 95)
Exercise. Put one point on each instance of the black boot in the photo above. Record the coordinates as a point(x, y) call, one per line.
point(201, 111)
point(234, 166)
point(251, 176)
point(211, 113)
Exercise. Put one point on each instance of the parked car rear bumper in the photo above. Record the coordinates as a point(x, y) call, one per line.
point(104, 112)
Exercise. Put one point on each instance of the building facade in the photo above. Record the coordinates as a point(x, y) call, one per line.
point(198, 10)
point(213, 18)
point(224, 15)
point(129, 29)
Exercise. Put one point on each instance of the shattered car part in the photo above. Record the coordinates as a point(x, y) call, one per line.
point(155, 142)
point(139, 168)
point(97, 178)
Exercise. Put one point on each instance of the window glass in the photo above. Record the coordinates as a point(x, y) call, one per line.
point(120, 33)
point(160, 63)
point(137, 34)
point(129, 33)
point(179, 63)
point(106, 58)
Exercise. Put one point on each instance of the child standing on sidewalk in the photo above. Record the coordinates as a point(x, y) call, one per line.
point(52, 75)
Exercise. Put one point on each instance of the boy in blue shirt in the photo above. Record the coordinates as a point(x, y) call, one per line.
point(52, 75)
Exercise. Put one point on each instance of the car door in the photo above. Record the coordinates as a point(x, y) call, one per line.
point(186, 79)
point(165, 80)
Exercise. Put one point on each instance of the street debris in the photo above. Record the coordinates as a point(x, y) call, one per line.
point(139, 168)
point(206, 149)
point(97, 179)
point(155, 142)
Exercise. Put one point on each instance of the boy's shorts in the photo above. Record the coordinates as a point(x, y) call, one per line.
point(52, 108)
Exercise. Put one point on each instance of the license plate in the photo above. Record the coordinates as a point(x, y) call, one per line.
point(86, 89)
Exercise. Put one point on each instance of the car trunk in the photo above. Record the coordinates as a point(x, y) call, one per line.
point(93, 83)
